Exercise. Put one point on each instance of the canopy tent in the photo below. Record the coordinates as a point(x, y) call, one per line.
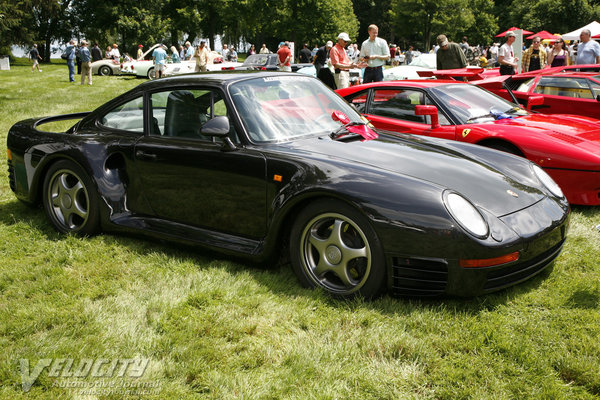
point(596, 36)
point(543, 35)
point(514, 28)
point(593, 26)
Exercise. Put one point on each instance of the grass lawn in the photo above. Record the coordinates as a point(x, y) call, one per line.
point(214, 328)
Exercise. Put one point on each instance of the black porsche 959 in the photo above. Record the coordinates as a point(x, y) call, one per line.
point(256, 164)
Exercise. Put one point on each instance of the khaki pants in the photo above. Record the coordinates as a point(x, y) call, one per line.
point(86, 70)
point(342, 79)
point(200, 68)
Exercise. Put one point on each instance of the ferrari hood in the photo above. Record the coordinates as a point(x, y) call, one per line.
point(445, 164)
point(570, 128)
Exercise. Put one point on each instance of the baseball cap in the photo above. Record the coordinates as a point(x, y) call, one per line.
point(510, 34)
point(329, 43)
point(140, 45)
point(442, 40)
point(344, 36)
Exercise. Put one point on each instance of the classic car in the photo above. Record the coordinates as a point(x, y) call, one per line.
point(145, 69)
point(560, 90)
point(267, 165)
point(566, 146)
point(106, 67)
point(265, 62)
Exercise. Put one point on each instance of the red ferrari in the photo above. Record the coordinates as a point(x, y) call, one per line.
point(566, 146)
point(560, 90)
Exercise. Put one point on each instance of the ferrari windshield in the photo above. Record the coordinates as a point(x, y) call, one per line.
point(286, 107)
point(472, 104)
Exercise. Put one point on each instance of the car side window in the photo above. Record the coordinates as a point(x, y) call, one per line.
point(182, 112)
point(595, 89)
point(127, 117)
point(360, 101)
point(397, 103)
point(442, 120)
point(564, 86)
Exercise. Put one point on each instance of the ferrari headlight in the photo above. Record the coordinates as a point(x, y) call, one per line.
point(548, 181)
point(466, 215)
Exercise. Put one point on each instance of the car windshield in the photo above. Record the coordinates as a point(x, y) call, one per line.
point(256, 60)
point(472, 104)
point(286, 107)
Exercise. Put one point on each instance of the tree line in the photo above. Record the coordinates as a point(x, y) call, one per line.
point(415, 22)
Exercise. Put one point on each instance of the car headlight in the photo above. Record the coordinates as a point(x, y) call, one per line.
point(548, 181)
point(466, 215)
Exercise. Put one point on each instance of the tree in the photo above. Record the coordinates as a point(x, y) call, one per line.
point(454, 18)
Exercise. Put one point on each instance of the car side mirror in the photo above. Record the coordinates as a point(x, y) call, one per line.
point(219, 127)
point(431, 111)
point(534, 101)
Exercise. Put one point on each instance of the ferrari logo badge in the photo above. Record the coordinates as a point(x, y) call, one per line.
point(465, 132)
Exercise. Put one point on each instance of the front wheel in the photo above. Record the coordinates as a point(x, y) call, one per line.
point(334, 247)
point(70, 199)
point(150, 73)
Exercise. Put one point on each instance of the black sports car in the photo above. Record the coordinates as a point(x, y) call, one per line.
point(256, 164)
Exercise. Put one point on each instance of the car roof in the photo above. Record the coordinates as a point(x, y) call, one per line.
point(222, 77)
point(416, 83)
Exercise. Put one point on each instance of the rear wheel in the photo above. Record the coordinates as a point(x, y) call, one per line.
point(105, 70)
point(333, 246)
point(70, 199)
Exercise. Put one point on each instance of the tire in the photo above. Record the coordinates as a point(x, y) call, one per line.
point(70, 199)
point(105, 70)
point(150, 73)
point(334, 247)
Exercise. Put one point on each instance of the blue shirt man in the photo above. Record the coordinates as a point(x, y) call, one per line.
point(159, 56)
point(70, 52)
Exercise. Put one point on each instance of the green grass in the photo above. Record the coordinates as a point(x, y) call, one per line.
point(217, 329)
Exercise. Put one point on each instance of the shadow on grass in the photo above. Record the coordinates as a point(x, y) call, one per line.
point(280, 279)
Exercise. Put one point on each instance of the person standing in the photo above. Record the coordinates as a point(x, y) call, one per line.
point(159, 57)
point(252, 50)
point(189, 50)
point(70, 52)
point(409, 54)
point(322, 56)
point(140, 52)
point(263, 49)
point(464, 45)
point(34, 54)
point(304, 54)
point(506, 56)
point(449, 54)
point(375, 52)
point(86, 58)
point(340, 61)
point(232, 54)
point(284, 55)
point(534, 57)
point(96, 53)
point(115, 54)
point(560, 55)
point(201, 57)
point(588, 50)
point(175, 55)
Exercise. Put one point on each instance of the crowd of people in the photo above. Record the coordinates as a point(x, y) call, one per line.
point(345, 55)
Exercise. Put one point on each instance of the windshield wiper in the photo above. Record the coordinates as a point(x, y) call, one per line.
point(482, 116)
point(343, 130)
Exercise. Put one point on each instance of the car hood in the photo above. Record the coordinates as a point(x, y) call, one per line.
point(564, 126)
point(443, 163)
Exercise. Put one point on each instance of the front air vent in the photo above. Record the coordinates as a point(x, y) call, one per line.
point(418, 277)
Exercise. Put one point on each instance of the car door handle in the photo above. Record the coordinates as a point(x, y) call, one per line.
point(144, 155)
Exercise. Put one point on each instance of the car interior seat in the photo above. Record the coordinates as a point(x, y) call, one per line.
point(183, 117)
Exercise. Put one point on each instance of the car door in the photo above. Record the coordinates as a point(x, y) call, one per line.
point(567, 95)
point(393, 109)
point(194, 179)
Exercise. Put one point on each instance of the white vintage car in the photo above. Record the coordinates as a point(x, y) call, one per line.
point(145, 69)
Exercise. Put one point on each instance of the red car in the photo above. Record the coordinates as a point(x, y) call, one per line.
point(560, 90)
point(566, 146)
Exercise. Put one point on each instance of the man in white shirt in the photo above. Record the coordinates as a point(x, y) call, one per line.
point(375, 52)
point(506, 56)
point(588, 50)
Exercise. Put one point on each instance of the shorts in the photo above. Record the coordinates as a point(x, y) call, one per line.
point(160, 67)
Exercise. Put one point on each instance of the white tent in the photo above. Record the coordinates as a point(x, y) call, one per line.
point(594, 27)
